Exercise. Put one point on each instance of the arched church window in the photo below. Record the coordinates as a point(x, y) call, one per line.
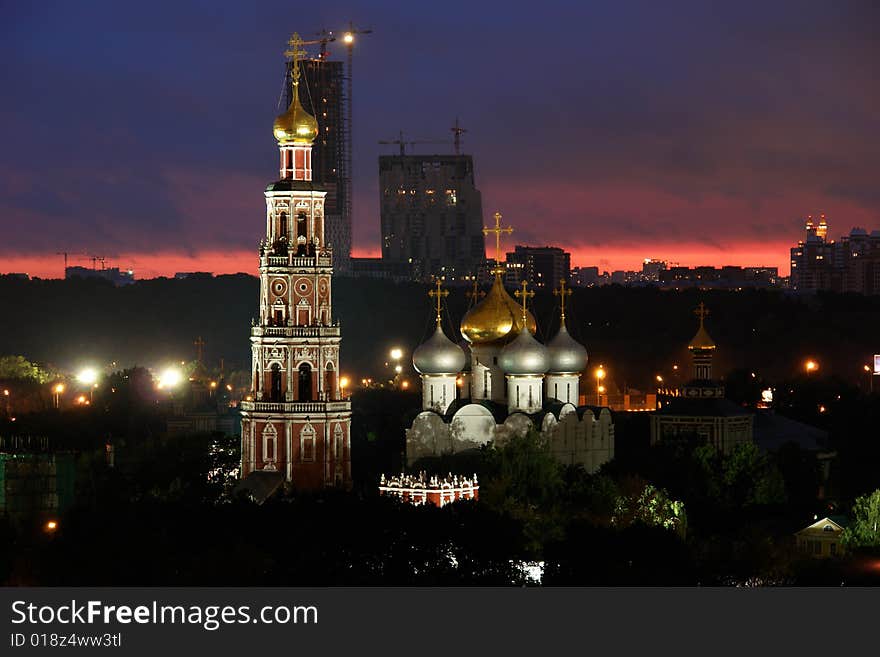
point(305, 382)
point(282, 225)
point(330, 381)
point(301, 229)
point(275, 384)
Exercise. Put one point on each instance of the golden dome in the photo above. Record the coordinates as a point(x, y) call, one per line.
point(296, 125)
point(702, 340)
point(497, 318)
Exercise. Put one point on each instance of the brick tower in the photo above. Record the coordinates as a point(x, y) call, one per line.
point(296, 422)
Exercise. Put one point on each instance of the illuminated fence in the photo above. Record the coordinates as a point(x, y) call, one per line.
point(421, 489)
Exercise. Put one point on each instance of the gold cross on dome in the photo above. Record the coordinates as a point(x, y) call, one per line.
point(525, 295)
point(295, 53)
point(474, 293)
point(562, 292)
point(497, 230)
point(702, 312)
point(439, 295)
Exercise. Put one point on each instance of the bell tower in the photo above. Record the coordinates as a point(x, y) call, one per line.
point(297, 419)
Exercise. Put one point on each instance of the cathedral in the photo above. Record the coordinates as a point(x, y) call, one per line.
point(295, 424)
point(504, 382)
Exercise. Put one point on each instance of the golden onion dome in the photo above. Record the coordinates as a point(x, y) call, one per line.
point(702, 340)
point(497, 318)
point(296, 125)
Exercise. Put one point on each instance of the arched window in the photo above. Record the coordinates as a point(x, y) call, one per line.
point(305, 382)
point(282, 226)
point(301, 228)
point(330, 381)
point(275, 384)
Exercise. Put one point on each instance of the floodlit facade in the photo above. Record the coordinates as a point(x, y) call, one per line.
point(296, 421)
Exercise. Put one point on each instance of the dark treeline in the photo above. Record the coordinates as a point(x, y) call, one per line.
point(636, 332)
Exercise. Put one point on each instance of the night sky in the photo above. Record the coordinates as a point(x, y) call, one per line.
point(700, 132)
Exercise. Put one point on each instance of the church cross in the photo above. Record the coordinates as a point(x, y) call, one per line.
point(498, 230)
point(438, 294)
point(702, 312)
point(525, 295)
point(474, 293)
point(562, 292)
point(295, 53)
point(199, 343)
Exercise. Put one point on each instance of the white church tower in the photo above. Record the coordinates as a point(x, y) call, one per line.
point(439, 361)
point(568, 358)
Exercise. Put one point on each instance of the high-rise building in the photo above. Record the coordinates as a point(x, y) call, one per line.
point(541, 266)
point(431, 214)
point(295, 425)
point(323, 94)
point(851, 264)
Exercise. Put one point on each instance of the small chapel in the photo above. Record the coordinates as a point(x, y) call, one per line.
point(502, 382)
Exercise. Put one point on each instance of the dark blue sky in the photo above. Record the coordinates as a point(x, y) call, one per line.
point(621, 130)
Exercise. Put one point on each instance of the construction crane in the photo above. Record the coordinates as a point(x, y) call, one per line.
point(403, 143)
point(458, 131)
point(326, 37)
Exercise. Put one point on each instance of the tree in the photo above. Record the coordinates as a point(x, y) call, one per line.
point(650, 506)
point(864, 530)
point(19, 367)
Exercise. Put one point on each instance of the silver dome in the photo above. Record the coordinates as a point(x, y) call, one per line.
point(524, 355)
point(567, 355)
point(438, 355)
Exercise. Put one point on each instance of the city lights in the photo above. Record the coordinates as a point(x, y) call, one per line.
point(88, 375)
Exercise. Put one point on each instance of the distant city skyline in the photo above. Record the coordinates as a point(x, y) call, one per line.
point(699, 135)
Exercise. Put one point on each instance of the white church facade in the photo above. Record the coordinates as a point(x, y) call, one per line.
point(504, 383)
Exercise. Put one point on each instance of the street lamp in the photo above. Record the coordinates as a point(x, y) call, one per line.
point(170, 377)
point(396, 353)
point(600, 376)
point(343, 384)
point(88, 375)
point(811, 365)
point(57, 390)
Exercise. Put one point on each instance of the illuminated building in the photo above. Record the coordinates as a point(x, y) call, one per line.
point(296, 423)
point(540, 266)
point(699, 409)
point(821, 539)
point(504, 383)
point(422, 489)
point(431, 215)
point(851, 264)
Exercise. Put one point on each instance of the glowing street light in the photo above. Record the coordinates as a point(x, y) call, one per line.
point(398, 369)
point(88, 375)
point(659, 379)
point(57, 390)
point(170, 378)
point(51, 526)
point(396, 353)
point(348, 38)
point(343, 383)
point(811, 365)
point(600, 376)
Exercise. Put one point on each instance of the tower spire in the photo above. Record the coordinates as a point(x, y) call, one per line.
point(498, 230)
